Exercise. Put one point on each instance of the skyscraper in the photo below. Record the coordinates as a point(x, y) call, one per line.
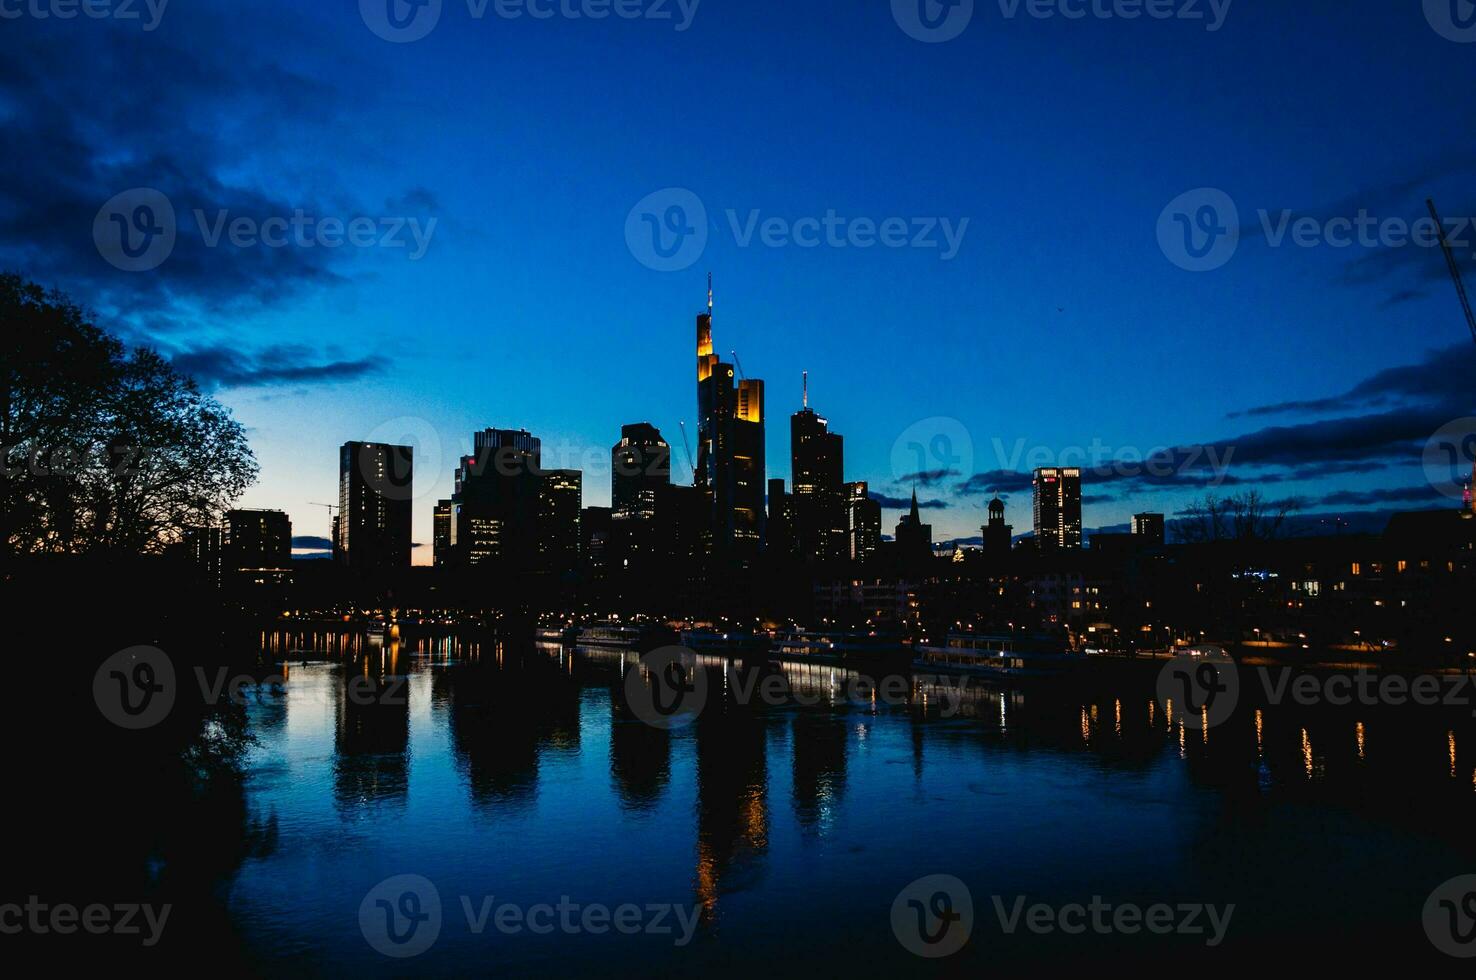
point(863, 522)
point(496, 505)
point(817, 461)
point(640, 464)
point(560, 500)
point(1150, 527)
point(441, 532)
point(374, 495)
point(730, 454)
point(1057, 508)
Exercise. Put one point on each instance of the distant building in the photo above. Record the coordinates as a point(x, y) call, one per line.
point(1058, 508)
point(1150, 527)
point(560, 498)
point(256, 546)
point(914, 538)
point(863, 522)
point(730, 451)
point(997, 534)
point(205, 547)
point(595, 526)
point(441, 532)
point(817, 461)
point(374, 496)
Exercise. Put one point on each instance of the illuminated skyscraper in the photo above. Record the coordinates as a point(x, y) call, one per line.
point(1057, 508)
point(863, 522)
point(374, 495)
point(441, 532)
point(1150, 527)
point(256, 546)
point(640, 464)
point(730, 454)
point(560, 500)
point(495, 508)
point(817, 461)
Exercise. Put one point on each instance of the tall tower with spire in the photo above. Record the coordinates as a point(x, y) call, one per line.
point(914, 538)
point(730, 450)
point(817, 468)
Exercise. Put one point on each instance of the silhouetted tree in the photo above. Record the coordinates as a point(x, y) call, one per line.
point(104, 449)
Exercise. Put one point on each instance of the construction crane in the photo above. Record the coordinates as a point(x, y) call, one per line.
point(738, 364)
point(1455, 269)
point(687, 445)
point(331, 509)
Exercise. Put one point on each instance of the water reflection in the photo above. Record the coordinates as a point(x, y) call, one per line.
point(459, 736)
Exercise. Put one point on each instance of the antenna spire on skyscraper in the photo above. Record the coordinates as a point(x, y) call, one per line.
point(709, 295)
point(806, 387)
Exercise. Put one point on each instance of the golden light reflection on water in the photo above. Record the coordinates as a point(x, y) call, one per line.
point(1307, 760)
point(1450, 743)
point(1359, 730)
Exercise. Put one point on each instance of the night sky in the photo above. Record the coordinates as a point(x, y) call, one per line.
point(1059, 323)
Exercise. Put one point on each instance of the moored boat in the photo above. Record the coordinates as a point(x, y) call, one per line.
point(998, 654)
point(839, 646)
point(644, 636)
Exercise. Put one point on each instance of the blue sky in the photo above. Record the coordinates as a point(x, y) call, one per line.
point(1059, 323)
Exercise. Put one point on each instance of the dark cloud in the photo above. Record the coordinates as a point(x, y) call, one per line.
point(927, 478)
point(227, 367)
point(904, 503)
point(1440, 376)
point(204, 110)
point(1423, 494)
point(308, 542)
point(995, 481)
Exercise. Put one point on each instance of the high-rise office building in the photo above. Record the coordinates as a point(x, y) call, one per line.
point(863, 522)
point(640, 464)
point(779, 539)
point(441, 532)
point(495, 508)
point(374, 496)
point(1057, 508)
point(560, 500)
point(817, 461)
point(730, 454)
point(1150, 527)
point(997, 534)
point(205, 546)
point(256, 546)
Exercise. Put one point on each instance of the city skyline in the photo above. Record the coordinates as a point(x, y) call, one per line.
point(1351, 351)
